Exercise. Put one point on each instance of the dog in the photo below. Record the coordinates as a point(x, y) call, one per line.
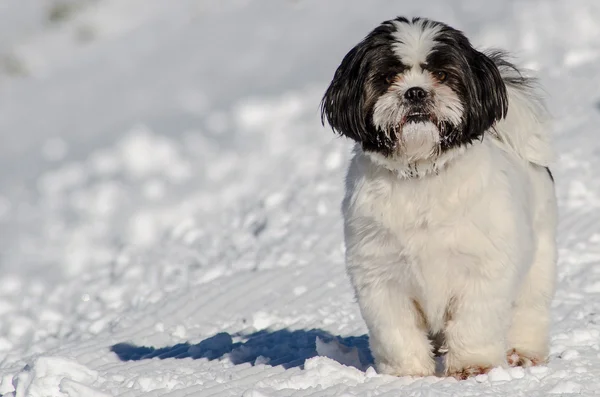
point(450, 208)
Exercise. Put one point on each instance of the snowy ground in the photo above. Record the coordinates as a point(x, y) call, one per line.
point(169, 203)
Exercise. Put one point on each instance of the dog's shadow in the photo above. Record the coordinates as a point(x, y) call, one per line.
point(280, 347)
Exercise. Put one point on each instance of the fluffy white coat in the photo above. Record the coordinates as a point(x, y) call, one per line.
point(465, 249)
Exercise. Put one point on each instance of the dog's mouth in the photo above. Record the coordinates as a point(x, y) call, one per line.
point(416, 117)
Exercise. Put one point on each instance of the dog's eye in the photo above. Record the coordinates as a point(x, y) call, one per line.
point(390, 77)
point(441, 76)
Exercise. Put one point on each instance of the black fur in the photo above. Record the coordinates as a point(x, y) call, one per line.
point(476, 80)
point(550, 174)
point(361, 79)
point(357, 84)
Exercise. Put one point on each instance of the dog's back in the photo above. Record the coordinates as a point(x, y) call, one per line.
point(525, 128)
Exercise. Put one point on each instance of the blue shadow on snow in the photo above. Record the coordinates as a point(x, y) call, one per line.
point(280, 347)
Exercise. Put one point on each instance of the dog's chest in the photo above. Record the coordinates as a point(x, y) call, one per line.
point(434, 225)
point(427, 216)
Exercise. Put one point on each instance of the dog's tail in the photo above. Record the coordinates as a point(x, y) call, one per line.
point(525, 130)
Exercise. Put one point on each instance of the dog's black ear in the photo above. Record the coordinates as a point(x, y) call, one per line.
point(489, 98)
point(343, 105)
point(357, 85)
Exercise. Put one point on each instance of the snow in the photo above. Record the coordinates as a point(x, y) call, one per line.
point(169, 201)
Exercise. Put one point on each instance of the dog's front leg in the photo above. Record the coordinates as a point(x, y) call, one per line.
point(397, 330)
point(479, 318)
point(383, 279)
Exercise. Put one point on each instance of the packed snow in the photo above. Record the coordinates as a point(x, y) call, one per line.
point(169, 201)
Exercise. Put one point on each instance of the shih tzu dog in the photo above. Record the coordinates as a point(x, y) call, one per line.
point(450, 211)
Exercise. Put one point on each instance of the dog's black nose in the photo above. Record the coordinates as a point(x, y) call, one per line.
point(415, 94)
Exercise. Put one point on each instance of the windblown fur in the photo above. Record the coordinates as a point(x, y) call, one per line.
point(450, 211)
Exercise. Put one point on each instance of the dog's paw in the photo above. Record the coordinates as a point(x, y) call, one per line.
point(467, 372)
point(424, 369)
point(517, 358)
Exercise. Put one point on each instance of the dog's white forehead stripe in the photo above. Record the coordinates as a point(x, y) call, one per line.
point(415, 78)
point(414, 41)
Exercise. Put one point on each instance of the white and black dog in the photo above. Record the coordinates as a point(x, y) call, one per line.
point(450, 211)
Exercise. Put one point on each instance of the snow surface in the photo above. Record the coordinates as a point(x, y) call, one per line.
point(169, 202)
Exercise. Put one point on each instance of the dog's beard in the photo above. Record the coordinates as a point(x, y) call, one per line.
point(419, 131)
point(418, 140)
point(415, 130)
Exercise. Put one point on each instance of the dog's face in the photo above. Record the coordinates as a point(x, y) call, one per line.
point(414, 89)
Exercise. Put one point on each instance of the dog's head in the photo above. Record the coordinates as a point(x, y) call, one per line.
point(414, 88)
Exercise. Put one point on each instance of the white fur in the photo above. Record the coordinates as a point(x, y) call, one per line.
point(390, 109)
point(466, 248)
point(414, 41)
point(419, 140)
point(525, 129)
